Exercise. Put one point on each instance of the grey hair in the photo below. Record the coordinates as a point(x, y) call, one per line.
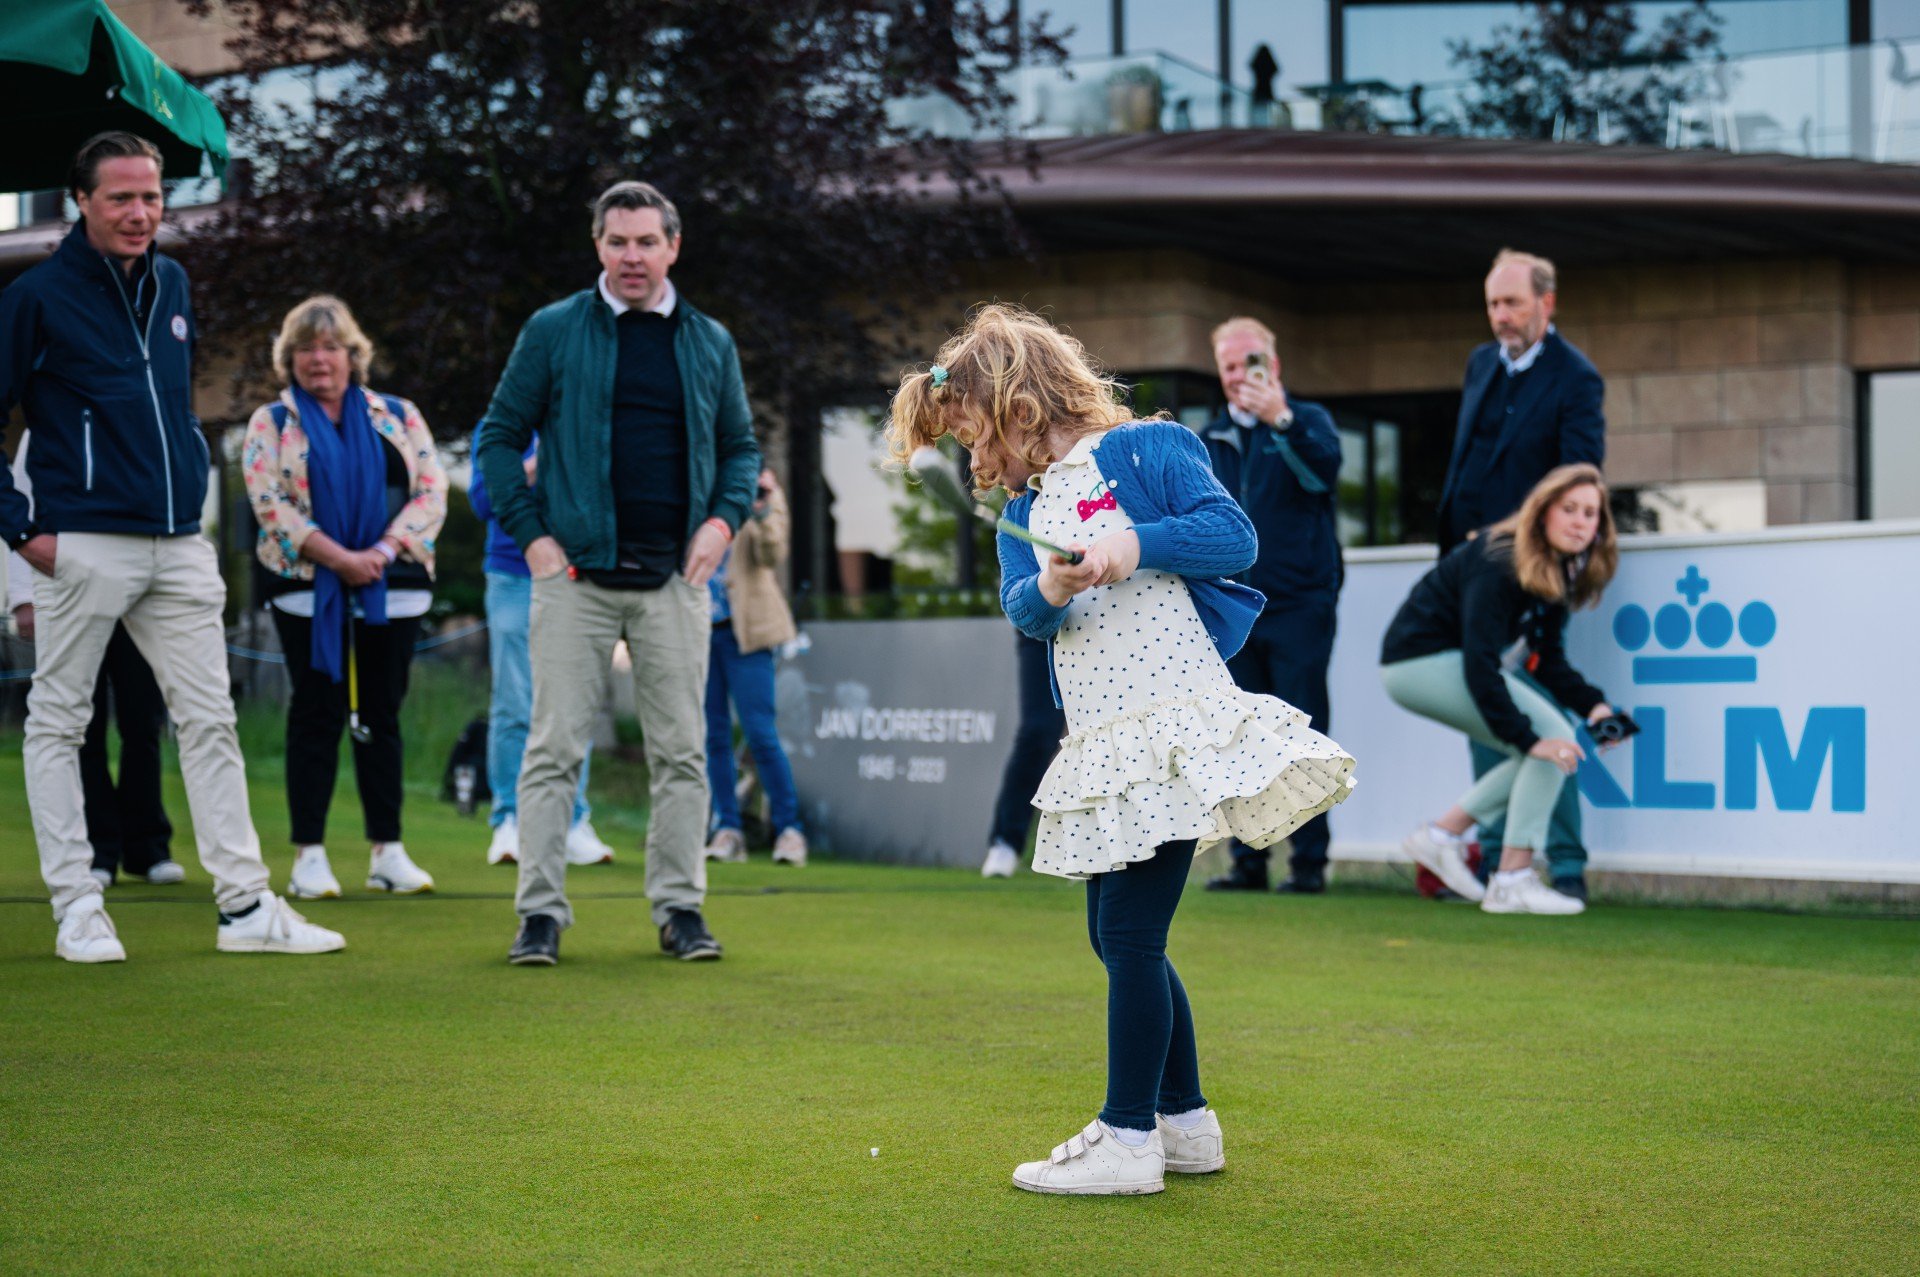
point(1539, 269)
point(632, 195)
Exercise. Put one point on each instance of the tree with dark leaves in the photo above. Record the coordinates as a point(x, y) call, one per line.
point(1582, 70)
point(441, 182)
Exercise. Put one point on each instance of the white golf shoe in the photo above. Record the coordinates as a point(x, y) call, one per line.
point(273, 927)
point(102, 876)
point(505, 847)
point(1002, 862)
point(1445, 858)
point(584, 846)
point(1193, 1150)
point(1095, 1162)
point(728, 846)
point(312, 877)
point(1528, 895)
point(166, 873)
point(391, 869)
point(86, 934)
point(790, 848)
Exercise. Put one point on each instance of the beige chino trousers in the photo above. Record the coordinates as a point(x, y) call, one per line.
point(570, 640)
point(169, 593)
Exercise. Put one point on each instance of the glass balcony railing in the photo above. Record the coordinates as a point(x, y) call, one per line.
point(1091, 97)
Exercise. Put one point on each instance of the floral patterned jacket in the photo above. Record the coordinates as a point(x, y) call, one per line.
point(274, 463)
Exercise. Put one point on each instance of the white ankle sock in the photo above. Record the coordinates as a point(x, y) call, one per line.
point(310, 849)
point(1513, 877)
point(1131, 1138)
point(1188, 1120)
point(1446, 836)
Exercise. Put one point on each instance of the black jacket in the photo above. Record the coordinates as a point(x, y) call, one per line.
point(1472, 602)
point(1286, 481)
point(116, 447)
point(1556, 419)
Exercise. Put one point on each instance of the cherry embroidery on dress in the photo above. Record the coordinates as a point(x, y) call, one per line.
point(1104, 500)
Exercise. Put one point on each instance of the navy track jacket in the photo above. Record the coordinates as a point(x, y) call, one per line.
point(116, 447)
point(1286, 481)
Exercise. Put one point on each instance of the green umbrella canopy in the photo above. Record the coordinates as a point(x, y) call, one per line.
point(70, 69)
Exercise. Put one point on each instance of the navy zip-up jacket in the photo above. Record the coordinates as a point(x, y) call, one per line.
point(116, 447)
point(1286, 482)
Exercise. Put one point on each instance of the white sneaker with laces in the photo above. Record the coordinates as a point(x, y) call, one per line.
point(1528, 895)
point(790, 848)
point(1002, 862)
point(1446, 859)
point(1194, 1150)
point(584, 846)
point(86, 934)
point(505, 847)
point(312, 877)
point(1095, 1162)
point(166, 873)
point(274, 927)
point(102, 876)
point(391, 869)
point(728, 846)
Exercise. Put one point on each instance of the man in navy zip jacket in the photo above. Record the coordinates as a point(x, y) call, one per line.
point(1531, 402)
point(1280, 458)
point(96, 346)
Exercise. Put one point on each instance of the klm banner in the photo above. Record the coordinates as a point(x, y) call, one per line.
point(1773, 677)
point(897, 731)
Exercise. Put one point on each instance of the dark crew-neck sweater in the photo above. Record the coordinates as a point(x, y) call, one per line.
point(1472, 602)
point(652, 490)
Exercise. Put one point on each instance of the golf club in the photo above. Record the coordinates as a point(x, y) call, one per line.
point(938, 476)
point(360, 734)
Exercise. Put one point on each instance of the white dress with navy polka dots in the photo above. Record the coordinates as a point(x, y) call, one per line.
point(1161, 745)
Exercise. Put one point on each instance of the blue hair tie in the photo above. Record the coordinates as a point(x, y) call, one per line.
point(939, 376)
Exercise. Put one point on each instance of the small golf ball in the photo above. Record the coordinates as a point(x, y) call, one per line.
point(873, 1152)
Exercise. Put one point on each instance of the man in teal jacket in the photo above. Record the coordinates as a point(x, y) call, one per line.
point(647, 467)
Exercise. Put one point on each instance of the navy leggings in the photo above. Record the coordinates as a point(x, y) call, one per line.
point(1152, 1065)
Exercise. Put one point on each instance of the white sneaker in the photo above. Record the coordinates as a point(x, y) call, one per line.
point(1196, 1150)
point(1096, 1162)
point(166, 873)
point(790, 848)
point(584, 846)
point(505, 847)
point(1528, 895)
point(102, 876)
point(1446, 858)
point(86, 934)
point(729, 846)
point(275, 928)
point(312, 877)
point(1002, 862)
point(391, 869)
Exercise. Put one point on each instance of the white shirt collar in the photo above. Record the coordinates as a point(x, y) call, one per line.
point(1525, 361)
point(1241, 417)
point(668, 299)
point(1079, 455)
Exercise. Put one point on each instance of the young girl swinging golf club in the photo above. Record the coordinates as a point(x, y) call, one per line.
point(1164, 755)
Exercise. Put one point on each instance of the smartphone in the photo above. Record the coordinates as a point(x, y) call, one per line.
point(1613, 729)
point(1257, 369)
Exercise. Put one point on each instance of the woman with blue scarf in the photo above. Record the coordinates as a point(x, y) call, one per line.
point(349, 493)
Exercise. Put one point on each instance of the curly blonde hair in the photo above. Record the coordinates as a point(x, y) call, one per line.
point(1009, 379)
point(1541, 568)
point(322, 316)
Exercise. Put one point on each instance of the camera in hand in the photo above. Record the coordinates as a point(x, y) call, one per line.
point(1613, 729)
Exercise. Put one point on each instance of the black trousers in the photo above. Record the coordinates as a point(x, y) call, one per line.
point(1035, 741)
point(317, 715)
point(1287, 656)
point(126, 822)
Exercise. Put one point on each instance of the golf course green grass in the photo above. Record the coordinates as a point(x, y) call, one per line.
point(1405, 1087)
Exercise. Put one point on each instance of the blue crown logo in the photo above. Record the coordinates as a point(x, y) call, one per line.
point(1714, 625)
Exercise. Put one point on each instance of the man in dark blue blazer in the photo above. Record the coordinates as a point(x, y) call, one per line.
point(1280, 458)
point(1531, 402)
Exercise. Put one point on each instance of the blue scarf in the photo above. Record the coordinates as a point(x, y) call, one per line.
point(347, 489)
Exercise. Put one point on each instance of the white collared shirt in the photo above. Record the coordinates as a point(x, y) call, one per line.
point(1080, 454)
point(1517, 366)
point(1241, 417)
point(668, 298)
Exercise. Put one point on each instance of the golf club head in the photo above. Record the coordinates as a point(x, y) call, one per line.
point(360, 733)
point(942, 481)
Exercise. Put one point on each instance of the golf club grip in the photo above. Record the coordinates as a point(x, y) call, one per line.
point(1019, 533)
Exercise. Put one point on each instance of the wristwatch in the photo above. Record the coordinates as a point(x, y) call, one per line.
point(1283, 421)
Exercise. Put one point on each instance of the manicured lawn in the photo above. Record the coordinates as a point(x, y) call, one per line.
point(1405, 1087)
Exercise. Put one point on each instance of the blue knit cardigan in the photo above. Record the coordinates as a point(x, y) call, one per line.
point(1187, 524)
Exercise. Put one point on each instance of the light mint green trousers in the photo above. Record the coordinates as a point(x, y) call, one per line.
point(1523, 787)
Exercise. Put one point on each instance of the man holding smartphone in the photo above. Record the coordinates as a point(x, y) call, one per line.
point(1280, 457)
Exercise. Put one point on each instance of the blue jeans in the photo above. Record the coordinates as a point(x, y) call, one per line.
point(747, 679)
point(510, 713)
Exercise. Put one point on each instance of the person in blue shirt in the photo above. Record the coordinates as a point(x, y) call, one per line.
point(510, 708)
point(1280, 458)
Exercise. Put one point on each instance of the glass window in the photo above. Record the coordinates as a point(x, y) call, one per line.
point(1893, 446)
point(1091, 22)
point(1190, 32)
point(1895, 20)
point(1294, 31)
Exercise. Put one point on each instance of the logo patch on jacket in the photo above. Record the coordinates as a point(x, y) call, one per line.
point(179, 327)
